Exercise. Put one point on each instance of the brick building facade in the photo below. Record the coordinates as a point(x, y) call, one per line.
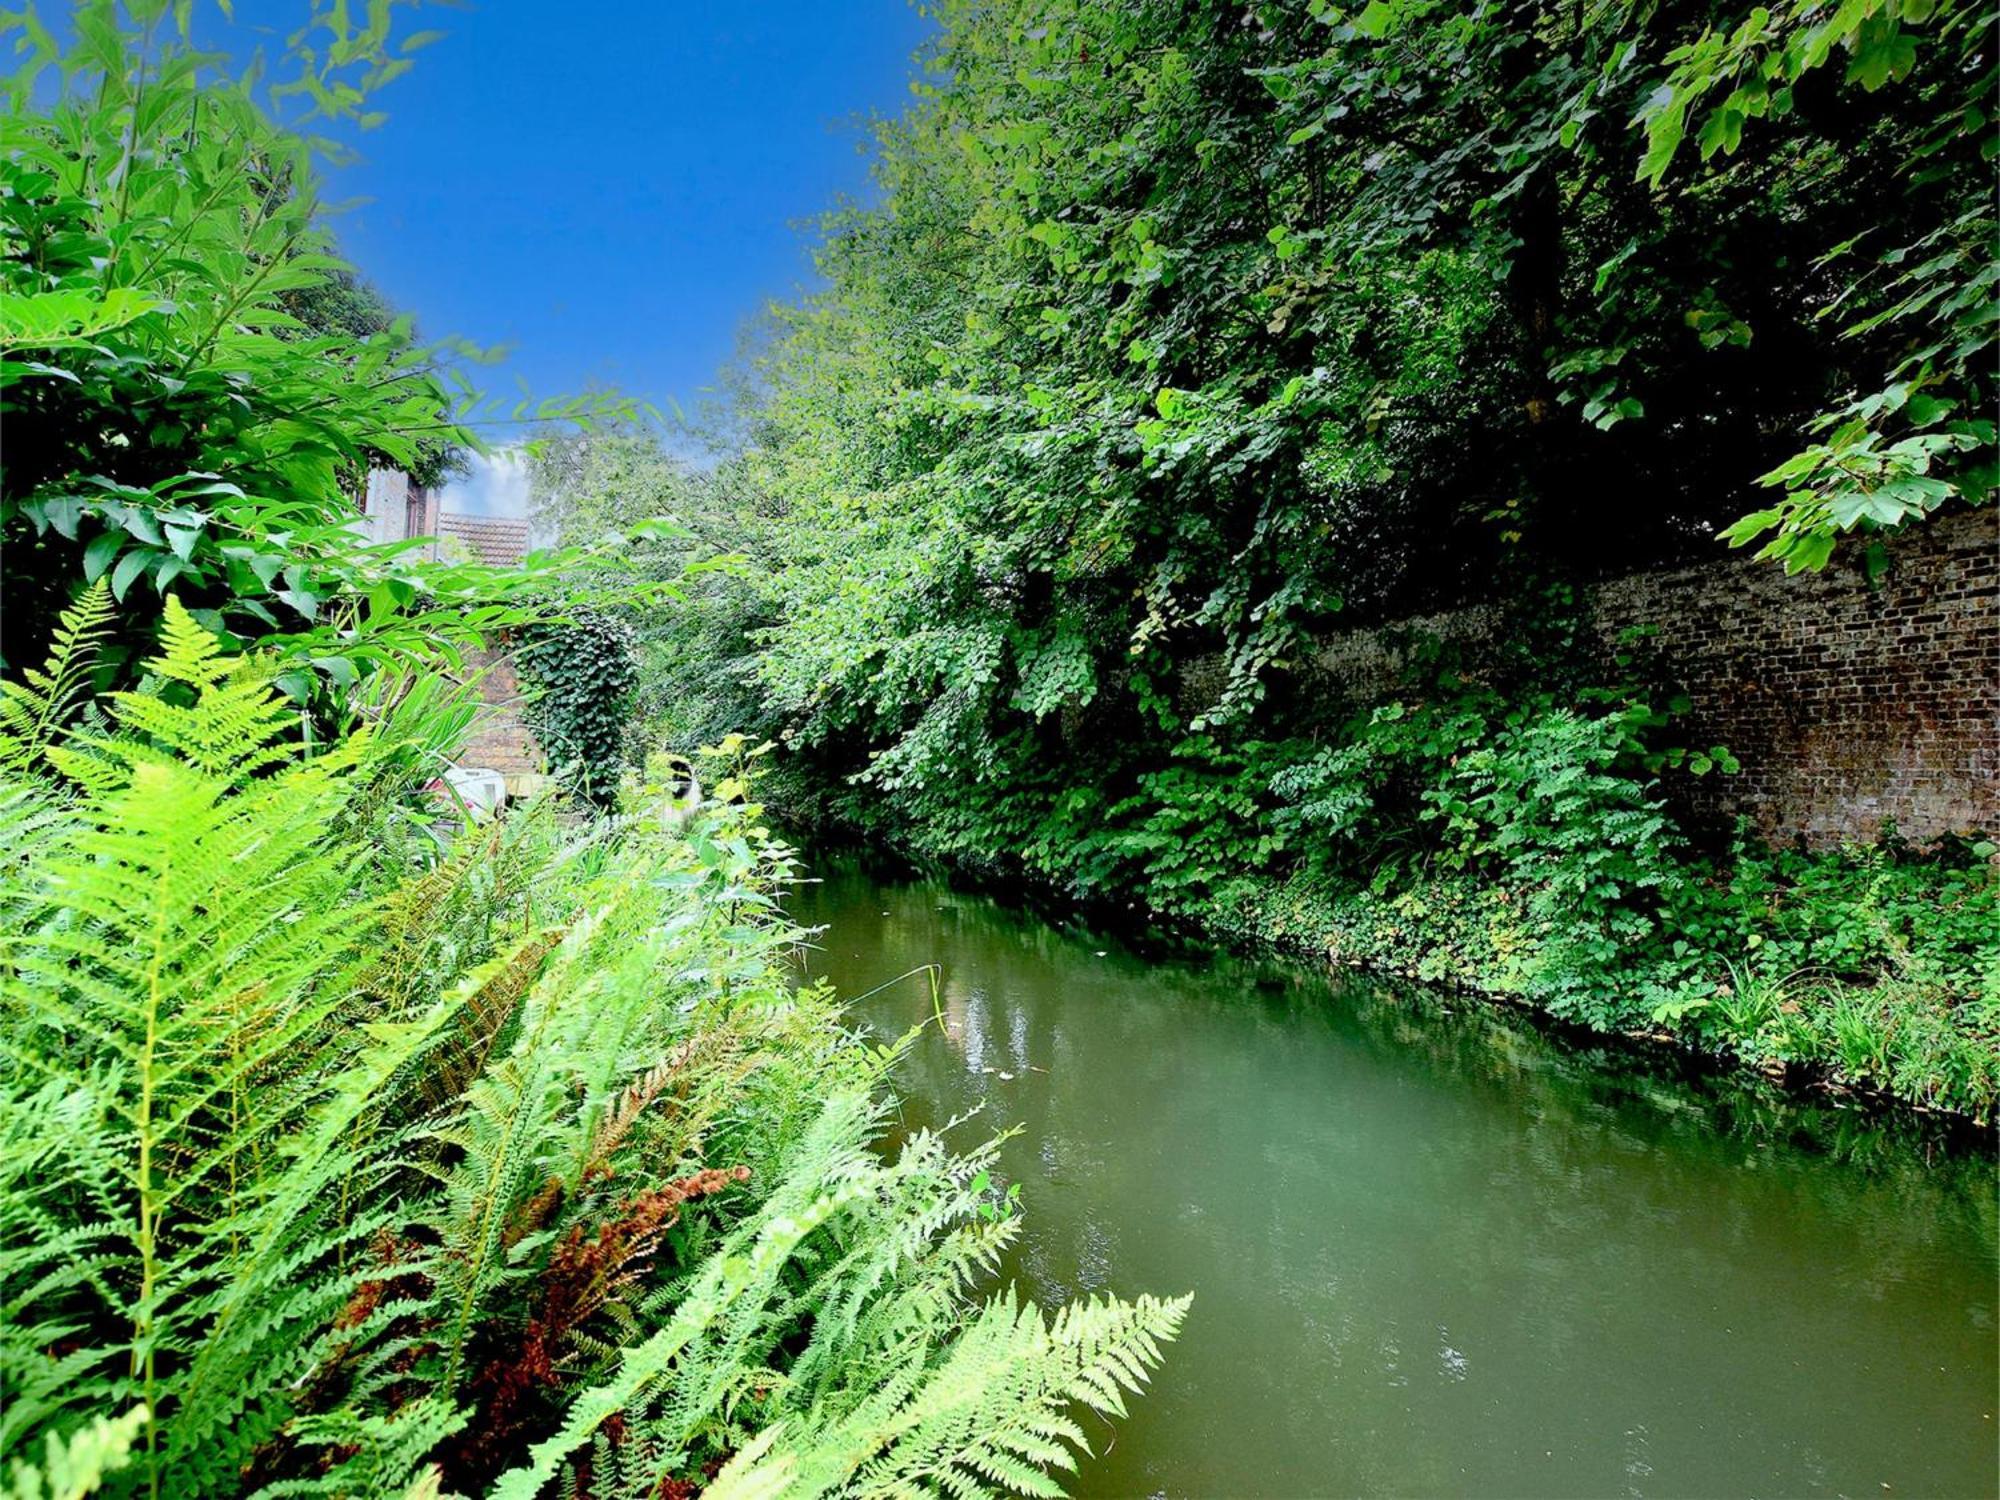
point(500, 741)
point(394, 509)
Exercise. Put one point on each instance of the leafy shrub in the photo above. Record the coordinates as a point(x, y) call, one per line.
point(1874, 964)
point(1853, 912)
point(522, 1170)
point(191, 401)
point(1524, 794)
point(1187, 829)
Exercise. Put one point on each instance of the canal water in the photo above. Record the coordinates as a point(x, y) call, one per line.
point(1434, 1251)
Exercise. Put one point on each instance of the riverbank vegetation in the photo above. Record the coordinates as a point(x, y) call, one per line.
point(1180, 335)
point(349, 1144)
point(515, 1165)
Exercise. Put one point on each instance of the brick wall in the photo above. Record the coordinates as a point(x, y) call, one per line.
point(1847, 703)
point(499, 740)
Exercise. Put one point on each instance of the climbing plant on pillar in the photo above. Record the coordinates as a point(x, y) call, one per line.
point(581, 677)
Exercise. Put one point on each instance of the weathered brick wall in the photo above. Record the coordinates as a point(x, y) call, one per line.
point(499, 540)
point(500, 740)
point(1847, 703)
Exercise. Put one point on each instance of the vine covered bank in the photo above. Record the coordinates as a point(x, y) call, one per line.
point(1194, 332)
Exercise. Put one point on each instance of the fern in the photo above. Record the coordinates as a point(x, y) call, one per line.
point(50, 1260)
point(35, 708)
point(892, 1394)
point(345, 1175)
point(993, 1416)
point(175, 994)
point(75, 1466)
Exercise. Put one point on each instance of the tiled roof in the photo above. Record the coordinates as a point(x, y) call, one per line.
point(491, 539)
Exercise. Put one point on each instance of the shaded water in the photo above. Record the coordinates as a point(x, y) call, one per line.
point(1434, 1252)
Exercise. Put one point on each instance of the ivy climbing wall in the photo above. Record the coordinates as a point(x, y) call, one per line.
point(1848, 703)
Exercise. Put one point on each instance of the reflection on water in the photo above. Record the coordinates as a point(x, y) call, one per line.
point(1433, 1252)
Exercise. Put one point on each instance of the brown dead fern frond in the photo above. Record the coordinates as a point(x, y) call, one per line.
point(587, 1269)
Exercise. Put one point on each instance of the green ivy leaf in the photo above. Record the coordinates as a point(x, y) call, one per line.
point(1376, 20)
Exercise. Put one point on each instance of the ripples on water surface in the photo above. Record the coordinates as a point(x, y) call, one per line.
point(1434, 1252)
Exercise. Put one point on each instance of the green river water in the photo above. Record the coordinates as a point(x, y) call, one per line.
point(1433, 1251)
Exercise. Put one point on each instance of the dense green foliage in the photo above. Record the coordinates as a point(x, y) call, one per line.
point(1181, 334)
point(580, 679)
point(332, 1161)
point(691, 526)
point(193, 385)
point(1181, 327)
point(345, 1149)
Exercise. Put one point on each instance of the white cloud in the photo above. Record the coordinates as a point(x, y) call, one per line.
point(494, 484)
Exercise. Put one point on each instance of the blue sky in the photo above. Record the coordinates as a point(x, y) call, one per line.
point(611, 188)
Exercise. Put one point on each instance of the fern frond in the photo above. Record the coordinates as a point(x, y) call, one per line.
point(383, 1454)
point(721, 1312)
point(489, 999)
point(993, 1416)
point(200, 902)
point(754, 1472)
point(35, 708)
point(54, 1270)
point(75, 1466)
point(300, 1146)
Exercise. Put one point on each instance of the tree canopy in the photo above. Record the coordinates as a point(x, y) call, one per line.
point(193, 383)
point(1180, 328)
